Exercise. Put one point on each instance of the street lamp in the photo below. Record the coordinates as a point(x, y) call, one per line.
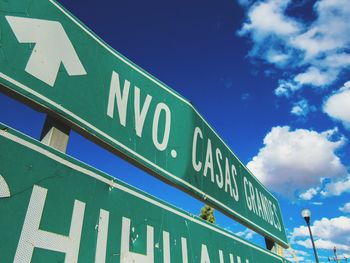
point(335, 254)
point(306, 214)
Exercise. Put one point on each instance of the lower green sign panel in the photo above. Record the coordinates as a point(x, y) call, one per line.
point(54, 208)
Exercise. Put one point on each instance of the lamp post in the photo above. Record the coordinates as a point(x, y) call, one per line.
point(335, 254)
point(306, 214)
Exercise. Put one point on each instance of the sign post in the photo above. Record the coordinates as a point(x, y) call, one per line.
point(55, 134)
point(57, 209)
point(50, 58)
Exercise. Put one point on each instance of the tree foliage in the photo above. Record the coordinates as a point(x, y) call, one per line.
point(207, 213)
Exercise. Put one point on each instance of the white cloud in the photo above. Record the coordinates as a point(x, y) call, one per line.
point(323, 244)
point(298, 110)
point(337, 105)
point(313, 76)
point(277, 58)
point(299, 254)
point(266, 18)
point(337, 188)
point(345, 208)
point(319, 39)
point(293, 161)
point(311, 54)
point(309, 194)
point(336, 60)
point(285, 88)
point(247, 234)
point(327, 232)
point(302, 108)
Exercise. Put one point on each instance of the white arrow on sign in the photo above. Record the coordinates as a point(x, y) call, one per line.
point(4, 188)
point(52, 46)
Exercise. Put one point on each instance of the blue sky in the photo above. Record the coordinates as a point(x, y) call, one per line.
point(271, 78)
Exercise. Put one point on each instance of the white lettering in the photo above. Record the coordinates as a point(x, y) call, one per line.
point(166, 247)
point(209, 161)
point(252, 196)
point(235, 189)
point(278, 221)
point(219, 177)
point(258, 202)
point(102, 235)
point(264, 208)
point(221, 256)
point(140, 116)
point(32, 236)
point(126, 256)
point(228, 178)
point(122, 100)
point(184, 250)
point(161, 145)
point(197, 166)
point(204, 254)
point(272, 216)
point(247, 198)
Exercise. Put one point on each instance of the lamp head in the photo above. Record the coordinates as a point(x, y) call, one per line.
point(306, 214)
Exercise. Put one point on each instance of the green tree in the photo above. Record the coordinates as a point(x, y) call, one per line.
point(207, 213)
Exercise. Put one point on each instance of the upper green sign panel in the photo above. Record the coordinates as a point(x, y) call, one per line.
point(52, 59)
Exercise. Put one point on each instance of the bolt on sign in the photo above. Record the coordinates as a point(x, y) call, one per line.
point(54, 208)
point(51, 59)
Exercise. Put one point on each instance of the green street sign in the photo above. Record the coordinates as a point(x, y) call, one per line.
point(54, 208)
point(53, 60)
